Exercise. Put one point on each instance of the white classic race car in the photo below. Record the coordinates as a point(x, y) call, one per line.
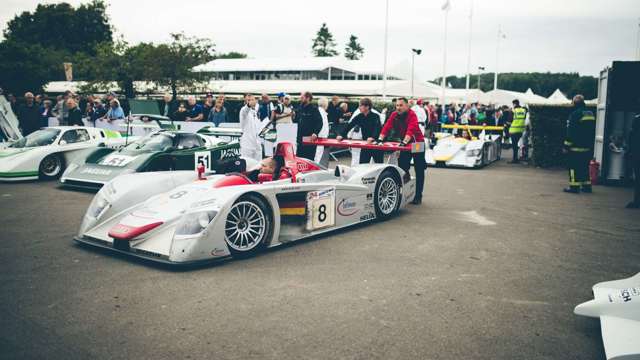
point(617, 304)
point(466, 152)
point(45, 153)
point(174, 218)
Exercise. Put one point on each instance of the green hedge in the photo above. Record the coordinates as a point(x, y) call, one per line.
point(549, 126)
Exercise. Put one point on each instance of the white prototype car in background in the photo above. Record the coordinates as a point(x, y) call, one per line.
point(45, 153)
point(173, 218)
point(468, 151)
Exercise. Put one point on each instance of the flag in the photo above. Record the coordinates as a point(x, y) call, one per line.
point(446, 6)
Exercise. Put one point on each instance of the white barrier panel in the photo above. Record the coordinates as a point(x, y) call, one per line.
point(287, 133)
point(192, 126)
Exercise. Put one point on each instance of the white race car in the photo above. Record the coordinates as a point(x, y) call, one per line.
point(617, 304)
point(173, 218)
point(46, 152)
point(465, 152)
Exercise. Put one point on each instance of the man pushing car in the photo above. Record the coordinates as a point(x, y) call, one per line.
point(404, 124)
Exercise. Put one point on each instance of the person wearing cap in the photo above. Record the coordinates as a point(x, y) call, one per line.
point(207, 106)
point(581, 129)
point(404, 123)
point(417, 108)
point(283, 111)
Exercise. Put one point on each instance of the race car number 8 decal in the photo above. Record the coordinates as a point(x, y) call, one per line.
point(321, 208)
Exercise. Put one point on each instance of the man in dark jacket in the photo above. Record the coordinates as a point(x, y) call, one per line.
point(634, 151)
point(579, 146)
point(369, 123)
point(168, 106)
point(309, 123)
point(28, 115)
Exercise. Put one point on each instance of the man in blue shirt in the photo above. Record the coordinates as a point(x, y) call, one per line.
point(194, 110)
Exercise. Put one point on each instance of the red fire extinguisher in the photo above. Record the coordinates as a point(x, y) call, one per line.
point(594, 170)
point(200, 170)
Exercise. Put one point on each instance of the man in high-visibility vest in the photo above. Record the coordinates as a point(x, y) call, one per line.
point(516, 128)
point(581, 127)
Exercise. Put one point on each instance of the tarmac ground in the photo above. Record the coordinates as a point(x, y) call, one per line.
point(490, 266)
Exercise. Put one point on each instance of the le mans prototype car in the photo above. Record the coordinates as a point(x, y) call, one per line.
point(173, 218)
point(466, 152)
point(159, 151)
point(46, 152)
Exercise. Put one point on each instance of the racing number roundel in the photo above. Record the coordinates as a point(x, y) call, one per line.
point(320, 209)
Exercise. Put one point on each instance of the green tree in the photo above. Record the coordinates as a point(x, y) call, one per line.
point(62, 27)
point(25, 67)
point(231, 55)
point(117, 62)
point(172, 63)
point(323, 44)
point(353, 50)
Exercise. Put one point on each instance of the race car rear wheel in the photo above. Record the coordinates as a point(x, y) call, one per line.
point(249, 226)
point(386, 197)
point(51, 167)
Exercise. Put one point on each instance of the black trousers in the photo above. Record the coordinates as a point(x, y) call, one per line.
point(578, 162)
point(420, 166)
point(366, 155)
point(514, 145)
point(306, 151)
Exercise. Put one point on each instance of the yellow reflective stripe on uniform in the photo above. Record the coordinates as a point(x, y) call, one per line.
point(572, 177)
point(588, 118)
point(577, 149)
point(588, 182)
point(568, 143)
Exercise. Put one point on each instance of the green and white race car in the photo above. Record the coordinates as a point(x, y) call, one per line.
point(159, 151)
point(45, 153)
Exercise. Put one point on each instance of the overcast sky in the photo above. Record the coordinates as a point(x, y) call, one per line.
point(541, 35)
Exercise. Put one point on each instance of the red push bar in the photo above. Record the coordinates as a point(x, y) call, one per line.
point(358, 144)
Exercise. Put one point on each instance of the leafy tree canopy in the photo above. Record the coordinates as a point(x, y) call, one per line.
point(323, 44)
point(353, 50)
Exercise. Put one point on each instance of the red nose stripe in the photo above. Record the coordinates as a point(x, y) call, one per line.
point(126, 232)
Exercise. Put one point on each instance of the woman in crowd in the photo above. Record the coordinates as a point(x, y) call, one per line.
point(45, 113)
point(218, 114)
point(181, 113)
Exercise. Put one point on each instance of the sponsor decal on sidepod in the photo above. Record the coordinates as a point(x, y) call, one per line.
point(347, 207)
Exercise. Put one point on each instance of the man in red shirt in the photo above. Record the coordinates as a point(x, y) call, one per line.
point(404, 124)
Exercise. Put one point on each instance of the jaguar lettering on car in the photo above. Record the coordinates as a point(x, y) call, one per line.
point(95, 171)
point(347, 207)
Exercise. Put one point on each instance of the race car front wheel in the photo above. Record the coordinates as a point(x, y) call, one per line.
point(248, 227)
point(51, 167)
point(386, 196)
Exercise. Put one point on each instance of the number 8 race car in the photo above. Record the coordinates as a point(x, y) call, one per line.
point(173, 218)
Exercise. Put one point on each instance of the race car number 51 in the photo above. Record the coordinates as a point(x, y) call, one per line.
point(321, 209)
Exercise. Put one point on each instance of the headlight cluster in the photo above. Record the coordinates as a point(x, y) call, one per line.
point(473, 152)
point(195, 223)
point(98, 205)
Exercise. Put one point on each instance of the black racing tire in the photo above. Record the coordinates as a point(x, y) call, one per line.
point(485, 155)
point(248, 226)
point(387, 195)
point(51, 167)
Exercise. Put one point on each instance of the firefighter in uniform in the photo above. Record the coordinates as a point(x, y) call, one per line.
point(516, 128)
point(579, 146)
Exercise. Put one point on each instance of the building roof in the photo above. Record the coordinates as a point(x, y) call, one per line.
point(289, 64)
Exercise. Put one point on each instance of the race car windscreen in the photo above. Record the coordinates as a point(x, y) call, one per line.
point(42, 137)
point(150, 143)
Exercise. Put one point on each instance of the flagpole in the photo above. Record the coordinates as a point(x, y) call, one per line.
point(495, 72)
point(386, 38)
point(444, 54)
point(469, 52)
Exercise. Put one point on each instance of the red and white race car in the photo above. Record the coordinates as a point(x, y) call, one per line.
point(171, 217)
